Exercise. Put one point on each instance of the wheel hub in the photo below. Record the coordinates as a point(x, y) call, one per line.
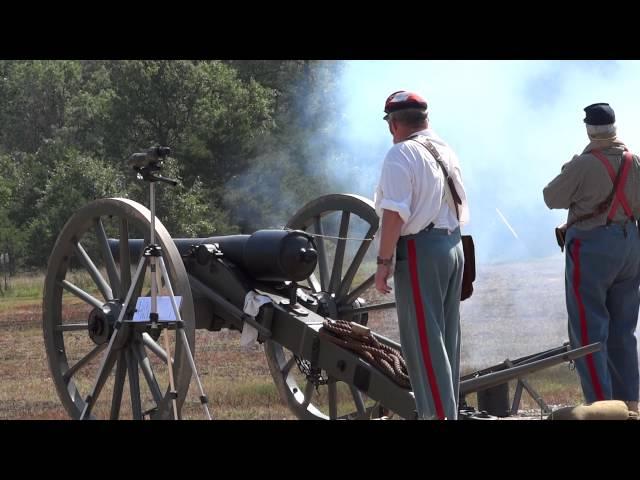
point(361, 318)
point(328, 307)
point(101, 322)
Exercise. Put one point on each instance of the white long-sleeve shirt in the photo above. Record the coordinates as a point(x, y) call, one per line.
point(412, 184)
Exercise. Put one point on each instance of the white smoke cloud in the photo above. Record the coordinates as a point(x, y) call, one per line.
point(513, 125)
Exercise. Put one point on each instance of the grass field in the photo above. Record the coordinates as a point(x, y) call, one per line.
point(516, 310)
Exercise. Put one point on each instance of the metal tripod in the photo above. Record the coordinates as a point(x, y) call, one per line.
point(146, 165)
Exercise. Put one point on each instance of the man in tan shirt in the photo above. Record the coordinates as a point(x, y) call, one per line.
point(601, 190)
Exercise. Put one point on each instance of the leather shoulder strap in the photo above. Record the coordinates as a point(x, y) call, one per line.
point(604, 205)
point(436, 155)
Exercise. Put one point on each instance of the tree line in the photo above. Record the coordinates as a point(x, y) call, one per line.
point(239, 132)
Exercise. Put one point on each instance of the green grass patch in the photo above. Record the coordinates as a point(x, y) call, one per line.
point(23, 287)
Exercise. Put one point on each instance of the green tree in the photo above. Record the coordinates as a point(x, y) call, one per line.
point(35, 96)
point(75, 180)
point(202, 110)
point(213, 120)
point(10, 236)
point(48, 107)
point(186, 210)
point(250, 141)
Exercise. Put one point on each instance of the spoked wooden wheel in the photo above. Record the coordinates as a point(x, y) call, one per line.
point(85, 289)
point(343, 227)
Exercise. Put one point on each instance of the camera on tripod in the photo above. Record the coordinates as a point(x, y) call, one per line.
point(151, 159)
point(148, 163)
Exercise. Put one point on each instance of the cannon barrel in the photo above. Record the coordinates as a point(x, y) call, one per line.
point(266, 255)
point(496, 378)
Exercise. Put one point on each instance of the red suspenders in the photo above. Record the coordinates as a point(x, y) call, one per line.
point(619, 198)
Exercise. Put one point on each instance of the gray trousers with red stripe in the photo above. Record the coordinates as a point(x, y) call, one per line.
point(602, 277)
point(428, 279)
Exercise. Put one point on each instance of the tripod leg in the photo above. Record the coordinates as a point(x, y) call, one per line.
point(159, 282)
point(147, 371)
point(174, 392)
point(203, 397)
point(156, 285)
point(109, 359)
point(134, 384)
point(154, 292)
point(165, 274)
point(180, 331)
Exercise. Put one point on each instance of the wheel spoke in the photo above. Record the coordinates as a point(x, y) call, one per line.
point(103, 375)
point(145, 366)
point(337, 274)
point(82, 362)
point(125, 258)
point(367, 308)
point(359, 290)
point(338, 259)
point(137, 289)
point(287, 368)
point(322, 254)
point(314, 284)
point(86, 261)
point(355, 264)
point(134, 384)
point(72, 327)
point(308, 393)
point(152, 345)
point(81, 294)
point(118, 386)
point(107, 256)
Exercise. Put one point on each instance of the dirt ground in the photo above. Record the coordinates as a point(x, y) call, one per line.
point(516, 310)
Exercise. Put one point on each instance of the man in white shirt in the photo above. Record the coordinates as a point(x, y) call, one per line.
point(421, 211)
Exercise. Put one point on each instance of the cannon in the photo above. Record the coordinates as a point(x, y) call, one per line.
point(316, 270)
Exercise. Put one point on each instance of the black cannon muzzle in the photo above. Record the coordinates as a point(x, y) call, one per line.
point(269, 255)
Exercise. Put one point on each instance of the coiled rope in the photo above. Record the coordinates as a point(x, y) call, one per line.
point(359, 339)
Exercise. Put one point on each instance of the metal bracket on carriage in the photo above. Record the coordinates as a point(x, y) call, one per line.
point(308, 300)
point(204, 252)
point(294, 306)
point(291, 291)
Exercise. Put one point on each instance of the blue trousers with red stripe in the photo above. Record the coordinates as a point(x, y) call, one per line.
point(602, 276)
point(428, 279)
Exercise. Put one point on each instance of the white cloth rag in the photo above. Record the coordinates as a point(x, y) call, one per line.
point(252, 303)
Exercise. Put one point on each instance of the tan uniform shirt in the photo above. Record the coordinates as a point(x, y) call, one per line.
point(584, 183)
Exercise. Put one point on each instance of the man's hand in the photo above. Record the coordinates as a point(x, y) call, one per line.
point(382, 275)
point(389, 234)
